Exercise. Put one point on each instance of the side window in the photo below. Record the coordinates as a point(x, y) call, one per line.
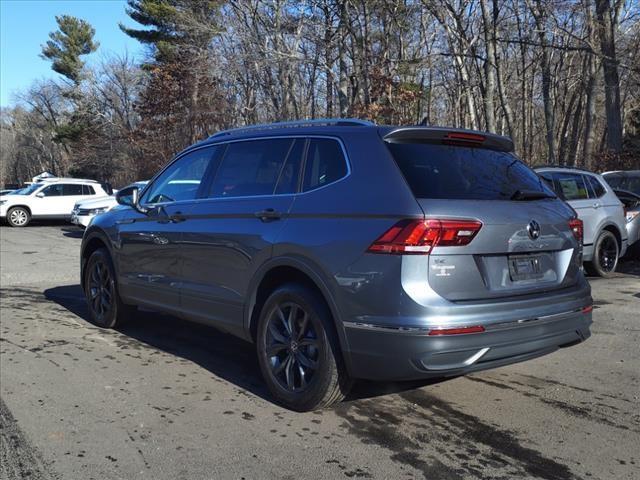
point(251, 168)
point(53, 191)
point(290, 173)
point(572, 186)
point(596, 186)
point(71, 189)
point(325, 163)
point(88, 190)
point(181, 180)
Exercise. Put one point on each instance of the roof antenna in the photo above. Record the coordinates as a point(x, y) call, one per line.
point(424, 122)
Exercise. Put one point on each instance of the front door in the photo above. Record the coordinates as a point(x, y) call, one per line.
point(150, 259)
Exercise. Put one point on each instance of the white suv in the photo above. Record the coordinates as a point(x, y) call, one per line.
point(51, 198)
point(602, 213)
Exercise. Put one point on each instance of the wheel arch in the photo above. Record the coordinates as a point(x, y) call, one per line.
point(283, 270)
point(26, 207)
point(92, 241)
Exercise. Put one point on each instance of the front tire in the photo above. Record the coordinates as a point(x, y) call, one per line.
point(106, 310)
point(18, 217)
point(298, 350)
point(606, 253)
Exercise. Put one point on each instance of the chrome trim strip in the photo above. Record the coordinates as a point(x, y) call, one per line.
point(411, 330)
point(250, 139)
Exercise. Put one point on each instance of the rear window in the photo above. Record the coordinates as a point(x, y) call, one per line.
point(463, 173)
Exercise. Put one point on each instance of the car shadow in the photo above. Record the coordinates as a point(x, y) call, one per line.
point(72, 232)
point(224, 355)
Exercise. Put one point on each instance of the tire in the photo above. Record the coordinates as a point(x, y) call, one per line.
point(303, 370)
point(606, 253)
point(18, 217)
point(106, 310)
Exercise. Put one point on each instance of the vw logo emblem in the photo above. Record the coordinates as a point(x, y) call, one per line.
point(534, 229)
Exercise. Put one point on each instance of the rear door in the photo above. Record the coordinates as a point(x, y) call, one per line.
point(524, 245)
point(228, 235)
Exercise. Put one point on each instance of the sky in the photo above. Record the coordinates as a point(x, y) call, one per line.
point(25, 26)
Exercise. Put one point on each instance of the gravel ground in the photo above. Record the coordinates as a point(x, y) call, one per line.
point(166, 399)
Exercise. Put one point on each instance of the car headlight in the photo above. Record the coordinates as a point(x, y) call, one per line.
point(96, 211)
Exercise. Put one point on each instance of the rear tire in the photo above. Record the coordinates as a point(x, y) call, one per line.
point(298, 350)
point(18, 217)
point(606, 253)
point(106, 310)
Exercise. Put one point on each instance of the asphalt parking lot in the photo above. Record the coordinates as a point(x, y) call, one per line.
point(165, 399)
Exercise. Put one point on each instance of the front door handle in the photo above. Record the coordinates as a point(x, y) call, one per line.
point(268, 214)
point(596, 205)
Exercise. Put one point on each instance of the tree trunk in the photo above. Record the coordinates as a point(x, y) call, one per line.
point(606, 34)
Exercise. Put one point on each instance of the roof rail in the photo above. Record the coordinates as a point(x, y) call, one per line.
point(349, 122)
point(569, 167)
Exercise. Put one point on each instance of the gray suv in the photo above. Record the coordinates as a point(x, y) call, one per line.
point(345, 250)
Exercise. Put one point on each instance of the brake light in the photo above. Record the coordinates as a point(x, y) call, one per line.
point(587, 309)
point(576, 227)
point(419, 237)
point(463, 139)
point(456, 331)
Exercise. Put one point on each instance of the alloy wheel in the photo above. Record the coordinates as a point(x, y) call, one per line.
point(18, 217)
point(608, 254)
point(292, 347)
point(100, 290)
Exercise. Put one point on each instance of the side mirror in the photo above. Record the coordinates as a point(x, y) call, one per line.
point(129, 197)
point(40, 195)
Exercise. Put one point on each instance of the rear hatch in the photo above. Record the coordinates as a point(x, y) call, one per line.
point(525, 243)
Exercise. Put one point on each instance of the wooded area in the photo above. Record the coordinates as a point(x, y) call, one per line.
point(561, 77)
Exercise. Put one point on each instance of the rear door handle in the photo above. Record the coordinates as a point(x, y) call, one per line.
point(268, 214)
point(596, 205)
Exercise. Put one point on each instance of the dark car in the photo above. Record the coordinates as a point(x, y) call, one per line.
point(347, 250)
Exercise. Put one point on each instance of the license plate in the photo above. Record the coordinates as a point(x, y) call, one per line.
point(525, 267)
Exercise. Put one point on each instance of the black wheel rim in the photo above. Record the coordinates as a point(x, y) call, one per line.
point(608, 254)
point(292, 348)
point(100, 290)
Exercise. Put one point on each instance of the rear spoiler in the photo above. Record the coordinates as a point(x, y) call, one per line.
point(449, 136)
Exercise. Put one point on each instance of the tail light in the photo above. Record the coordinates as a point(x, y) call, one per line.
point(419, 237)
point(576, 227)
point(630, 215)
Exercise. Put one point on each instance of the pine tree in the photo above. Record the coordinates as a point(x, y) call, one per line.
point(73, 39)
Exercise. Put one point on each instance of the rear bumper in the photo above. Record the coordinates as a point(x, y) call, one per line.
point(394, 350)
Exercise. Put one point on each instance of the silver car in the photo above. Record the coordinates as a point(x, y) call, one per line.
point(605, 232)
point(627, 187)
point(344, 250)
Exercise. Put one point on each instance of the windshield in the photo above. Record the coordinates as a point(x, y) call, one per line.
point(27, 190)
point(464, 173)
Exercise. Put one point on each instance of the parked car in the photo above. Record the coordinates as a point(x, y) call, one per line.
point(347, 250)
point(605, 231)
point(84, 210)
point(626, 185)
point(50, 198)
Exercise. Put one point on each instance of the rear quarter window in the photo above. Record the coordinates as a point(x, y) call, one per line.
point(463, 173)
point(325, 163)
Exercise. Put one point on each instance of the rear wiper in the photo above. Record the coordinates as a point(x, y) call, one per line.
point(530, 195)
